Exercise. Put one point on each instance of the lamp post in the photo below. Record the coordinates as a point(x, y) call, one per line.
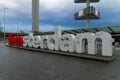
point(17, 21)
point(4, 24)
point(88, 19)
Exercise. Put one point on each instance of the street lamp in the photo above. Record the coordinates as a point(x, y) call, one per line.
point(4, 24)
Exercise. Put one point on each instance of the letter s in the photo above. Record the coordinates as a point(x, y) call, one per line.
point(25, 41)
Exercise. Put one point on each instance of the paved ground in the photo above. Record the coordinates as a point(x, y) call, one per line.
point(17, 64)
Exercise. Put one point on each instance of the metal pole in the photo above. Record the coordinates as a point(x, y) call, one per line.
point(88, 20)
point(0, 27)
point(17, 22)
point(4, 25)
point(87, 23)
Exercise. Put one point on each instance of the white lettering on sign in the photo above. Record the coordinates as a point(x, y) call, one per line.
point(90, 43)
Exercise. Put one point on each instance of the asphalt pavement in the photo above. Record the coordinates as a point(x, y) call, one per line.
point(18, 64)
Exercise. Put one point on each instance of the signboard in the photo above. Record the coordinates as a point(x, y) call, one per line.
point(84, 1)
point(89, 12)
point(67, 42)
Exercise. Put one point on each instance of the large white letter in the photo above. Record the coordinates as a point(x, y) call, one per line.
point(31, 40)
point(67, 43)
point(25, 41)
point(106, 38)
point(57, 37)
point(43, 44)
point(37, 41)
point(51, 42)
point(85, 43)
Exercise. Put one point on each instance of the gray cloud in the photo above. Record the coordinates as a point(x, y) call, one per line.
point(55, 7)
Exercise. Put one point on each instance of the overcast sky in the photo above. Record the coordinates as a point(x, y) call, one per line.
point(56, 12)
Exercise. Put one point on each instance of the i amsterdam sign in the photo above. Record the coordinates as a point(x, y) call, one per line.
point(67, 42)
